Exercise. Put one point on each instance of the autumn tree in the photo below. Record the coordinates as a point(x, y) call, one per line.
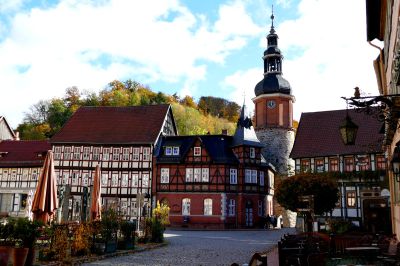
point(48, 116)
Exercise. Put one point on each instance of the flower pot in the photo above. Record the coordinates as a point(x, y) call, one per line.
point(19, 256)
point(5, 252)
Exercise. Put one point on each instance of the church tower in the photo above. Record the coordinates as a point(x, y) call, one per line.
point(274, 109)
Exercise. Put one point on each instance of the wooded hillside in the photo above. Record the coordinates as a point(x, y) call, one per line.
point(210, 114)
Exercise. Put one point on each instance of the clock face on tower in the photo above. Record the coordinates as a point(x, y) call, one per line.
point(271, 104)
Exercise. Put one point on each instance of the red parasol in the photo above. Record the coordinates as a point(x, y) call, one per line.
point(45, 200)
point(95, 209)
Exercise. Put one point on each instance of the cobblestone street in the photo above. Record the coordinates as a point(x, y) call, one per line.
point(203, 248)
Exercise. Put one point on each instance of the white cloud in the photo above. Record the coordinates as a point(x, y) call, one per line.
point(334, 55)
point(49, 49)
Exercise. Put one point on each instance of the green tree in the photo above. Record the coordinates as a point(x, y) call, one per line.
point(323, 187)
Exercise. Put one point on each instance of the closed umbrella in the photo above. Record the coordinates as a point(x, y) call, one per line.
point(45, 200)
point(95, 208)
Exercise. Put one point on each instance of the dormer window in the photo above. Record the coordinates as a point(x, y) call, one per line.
point(3, 154)
point(175, 150)
point(252, 152)
point(197, 151)
point(171, 150)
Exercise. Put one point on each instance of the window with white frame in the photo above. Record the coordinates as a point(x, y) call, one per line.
point(85, 181)
point(254, 176)
point(106, 154)
point(207, 206)
point(145, 180)
point(250, 176)
point(96, 153)
point(34, 174)
point(271, 179)
point(67, 153)
point(189, 174)
point(197, 175)
point(233, 176)
point(74, 178)
point(114, 180)
point(135, 154)
point(197, 151)
point(86, 153)
point(168, 150)
point(124, 181)
point(186, 206)
point(164, 175)
point(146, 154)
point(65, 179)
point(252, 152)
point(13, 175)
point(135, 180)
point(125, 154)
point(205, 175)
point(175, 151)
point(24, 175)
point(260, 208)
point(77, 151)
point(247, 176)
point(261, 178)
point(115, 156)
point(231, 207)
point(104, 179)
point(57, 153)
point(351, 198)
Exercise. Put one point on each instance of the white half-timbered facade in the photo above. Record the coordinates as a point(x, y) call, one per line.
point(6, 133)
point(359, 169)
point(121, 140)
point(20, 166)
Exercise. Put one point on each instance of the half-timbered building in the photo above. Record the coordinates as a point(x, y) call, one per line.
point(360, 169)
point(121, 140)
point(20, 166)
point(214, 181)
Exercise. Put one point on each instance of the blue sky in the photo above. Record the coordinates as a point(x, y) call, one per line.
point(187, 47)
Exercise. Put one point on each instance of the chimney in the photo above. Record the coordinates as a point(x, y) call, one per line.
point(224, 132)
point(16, 135)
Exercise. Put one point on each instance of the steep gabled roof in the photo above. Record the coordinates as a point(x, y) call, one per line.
point(217, 146)
point(4, 121)
point(318, 134)
point(114, 125)
point(23, 153)
point(245, 134)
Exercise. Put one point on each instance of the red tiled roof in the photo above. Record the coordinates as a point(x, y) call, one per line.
point(318, 134)
point(113, 125)
point(23, 153)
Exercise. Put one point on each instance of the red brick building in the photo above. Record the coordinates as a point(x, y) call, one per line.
point(214, 181)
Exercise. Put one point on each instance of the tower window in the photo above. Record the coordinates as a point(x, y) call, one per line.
point(252, 152)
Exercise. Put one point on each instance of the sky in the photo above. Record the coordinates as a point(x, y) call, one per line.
point(188, 47)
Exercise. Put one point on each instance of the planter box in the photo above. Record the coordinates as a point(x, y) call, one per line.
point(111, 246)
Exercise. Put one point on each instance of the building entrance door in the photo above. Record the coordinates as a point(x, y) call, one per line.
point(249, 213)
point(376, 215)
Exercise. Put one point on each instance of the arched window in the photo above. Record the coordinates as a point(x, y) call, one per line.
point(186, 206)
point(207, 206)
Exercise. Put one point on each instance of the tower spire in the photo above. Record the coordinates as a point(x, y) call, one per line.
point(272, 31)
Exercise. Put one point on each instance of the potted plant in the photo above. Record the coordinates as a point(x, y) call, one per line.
point(109, 226)
point(127, 230)
point(25, 234)
point(6, 241)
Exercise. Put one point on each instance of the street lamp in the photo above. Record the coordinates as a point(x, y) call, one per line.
point(348, 131)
